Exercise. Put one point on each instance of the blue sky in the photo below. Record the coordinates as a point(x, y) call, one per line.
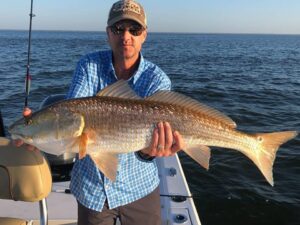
point(203, 16)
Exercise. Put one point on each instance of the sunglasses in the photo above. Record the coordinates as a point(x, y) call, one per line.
point(134, 30)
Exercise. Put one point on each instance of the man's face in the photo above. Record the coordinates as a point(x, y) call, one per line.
point(126, 38)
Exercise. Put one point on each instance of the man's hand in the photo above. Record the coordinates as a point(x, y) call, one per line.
point(164, 142)
point(19, 143)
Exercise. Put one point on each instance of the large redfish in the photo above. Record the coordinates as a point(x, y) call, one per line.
point(118, 121)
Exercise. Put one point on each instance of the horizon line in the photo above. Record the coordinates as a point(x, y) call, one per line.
point(160, 32)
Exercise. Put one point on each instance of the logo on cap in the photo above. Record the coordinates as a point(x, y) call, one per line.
point(127, 6)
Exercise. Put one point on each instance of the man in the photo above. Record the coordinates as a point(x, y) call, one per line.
point(134, 195)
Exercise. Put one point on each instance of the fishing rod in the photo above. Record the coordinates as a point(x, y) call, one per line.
point(28, 77)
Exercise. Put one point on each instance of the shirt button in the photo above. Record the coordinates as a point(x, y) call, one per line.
point(106, 186)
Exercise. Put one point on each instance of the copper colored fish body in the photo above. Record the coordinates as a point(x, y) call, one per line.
point(117, 121)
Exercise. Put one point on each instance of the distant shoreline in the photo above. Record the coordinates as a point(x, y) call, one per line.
point(158, 32)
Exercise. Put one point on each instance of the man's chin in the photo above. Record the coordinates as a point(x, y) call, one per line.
point(128, 56)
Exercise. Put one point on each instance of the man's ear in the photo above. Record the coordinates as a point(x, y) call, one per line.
point(107, 33)
point(144, 35)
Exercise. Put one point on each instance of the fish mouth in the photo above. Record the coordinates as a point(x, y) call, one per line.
point(15, 134)
point(10, 128)
point(12, 133)
point(14, 127)
point(27, 140)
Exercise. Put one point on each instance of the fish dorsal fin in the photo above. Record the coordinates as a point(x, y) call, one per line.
point(119, 89)
point(185, 101)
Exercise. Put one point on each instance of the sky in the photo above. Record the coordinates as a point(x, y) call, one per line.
point(192, 16)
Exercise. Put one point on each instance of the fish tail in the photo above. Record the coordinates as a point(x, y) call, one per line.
point(266, 151)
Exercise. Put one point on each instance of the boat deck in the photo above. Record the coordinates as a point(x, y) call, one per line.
point(177, 206)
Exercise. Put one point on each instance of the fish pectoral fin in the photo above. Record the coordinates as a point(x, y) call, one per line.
point(107, 163)
point(87, 137)
point(200, 153)
point(83, 143)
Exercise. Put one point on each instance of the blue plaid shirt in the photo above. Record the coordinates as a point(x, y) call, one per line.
point(136, 178)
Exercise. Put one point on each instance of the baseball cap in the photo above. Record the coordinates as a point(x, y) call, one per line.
point(127, 9)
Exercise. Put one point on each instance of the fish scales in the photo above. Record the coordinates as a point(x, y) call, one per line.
point(136, 119)
point(117, 121)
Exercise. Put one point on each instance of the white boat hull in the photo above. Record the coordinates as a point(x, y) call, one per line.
point(62, 207)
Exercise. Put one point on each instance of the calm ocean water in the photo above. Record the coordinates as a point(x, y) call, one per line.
point(254, 79)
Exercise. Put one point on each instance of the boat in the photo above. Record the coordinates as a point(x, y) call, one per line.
point(34, 187)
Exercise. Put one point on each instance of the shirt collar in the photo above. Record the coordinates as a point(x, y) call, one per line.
point(137, 73)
